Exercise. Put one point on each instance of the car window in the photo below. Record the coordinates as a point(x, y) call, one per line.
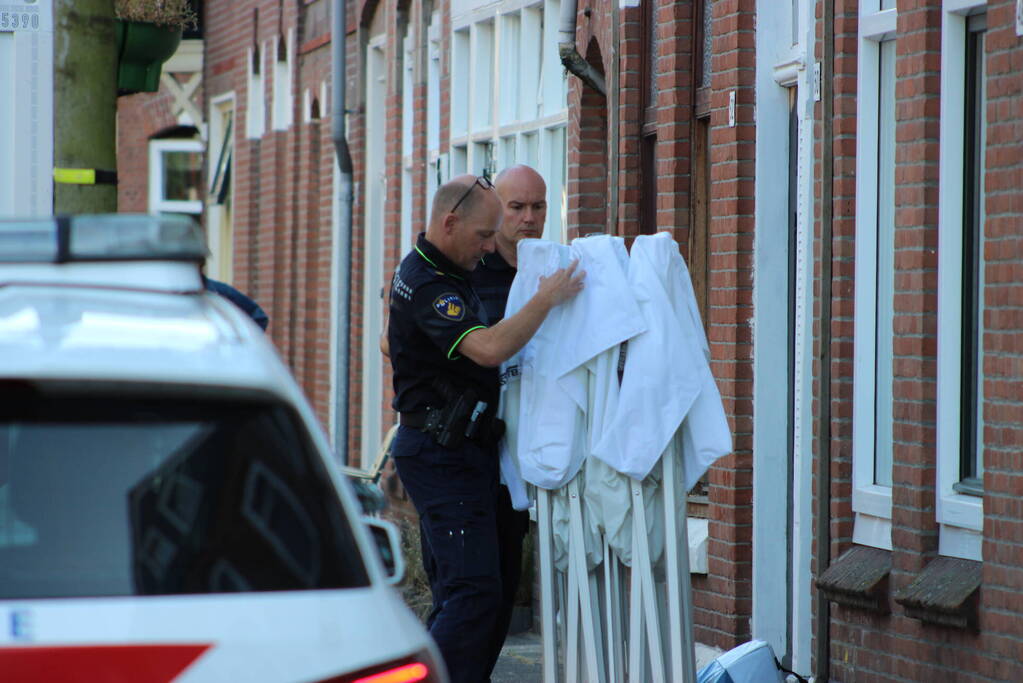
point(118, 495)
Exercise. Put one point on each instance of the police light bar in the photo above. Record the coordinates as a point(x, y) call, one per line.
point(101, 237)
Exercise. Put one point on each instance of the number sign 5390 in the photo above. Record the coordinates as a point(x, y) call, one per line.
point(18, 21)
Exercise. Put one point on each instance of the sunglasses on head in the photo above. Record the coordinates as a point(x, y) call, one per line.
point(483, 181)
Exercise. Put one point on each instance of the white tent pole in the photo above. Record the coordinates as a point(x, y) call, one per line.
point(587, 596)
point(572, 649)
point(547, 595)
point(676, 550)
point(641, 563)
point(637, 668)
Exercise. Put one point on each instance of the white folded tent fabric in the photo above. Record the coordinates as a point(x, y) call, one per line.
point(666, 371)
point(654, 436)
point(544, 395)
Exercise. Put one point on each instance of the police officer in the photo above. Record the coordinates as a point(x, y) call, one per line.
point(444, 354)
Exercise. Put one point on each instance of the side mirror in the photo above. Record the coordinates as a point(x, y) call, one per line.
point(388, 543)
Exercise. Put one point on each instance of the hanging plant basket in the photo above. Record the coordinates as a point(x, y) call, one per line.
point(142, 48)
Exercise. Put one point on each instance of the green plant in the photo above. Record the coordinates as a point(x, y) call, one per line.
point(177, 14)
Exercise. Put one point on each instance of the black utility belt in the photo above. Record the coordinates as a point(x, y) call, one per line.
point(463, 417)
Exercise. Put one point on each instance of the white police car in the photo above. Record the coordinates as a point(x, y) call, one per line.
point(169, 508)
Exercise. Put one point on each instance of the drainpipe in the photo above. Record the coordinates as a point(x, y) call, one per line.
point(823, 511)
point(343, 245)
point(570, 57)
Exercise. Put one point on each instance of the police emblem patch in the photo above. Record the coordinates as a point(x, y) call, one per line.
point(449, 306)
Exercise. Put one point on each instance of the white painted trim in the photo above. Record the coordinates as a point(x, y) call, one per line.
point(214, 214)
point(877, 26)
point(873, 531)
point(782, 617)
point(283, 105)
point(787, 73)
point(957, 514)
point(187, 58)
point(26, 116)
point(373, 229)
point(869, 500)
point(963, 7)
point(407, 120)
point(157, 204)
point(966, 544)
point(255, 95)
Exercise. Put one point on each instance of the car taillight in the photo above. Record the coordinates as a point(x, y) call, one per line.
point(418, 669)
point(409, 673)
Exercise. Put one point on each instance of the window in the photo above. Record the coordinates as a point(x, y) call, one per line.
point(255, 112)
point(373, 282)
point(961, 281)
point(482, 77)
point(283, 109)
point(407, 123)
point(152, 495)
point(875, 286)
point(460, 83)
point(219, 198)
point(509, 96)
point(175, 176)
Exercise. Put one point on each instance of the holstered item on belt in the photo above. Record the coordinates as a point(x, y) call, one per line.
point(463, 417)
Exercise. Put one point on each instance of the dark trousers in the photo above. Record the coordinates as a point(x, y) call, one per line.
point(454, 492)
point(512, 526)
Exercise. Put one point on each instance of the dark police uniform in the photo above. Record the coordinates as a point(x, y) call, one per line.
point(433, 307)
point(492, 280)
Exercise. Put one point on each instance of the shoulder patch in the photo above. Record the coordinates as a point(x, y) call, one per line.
point(449, 306)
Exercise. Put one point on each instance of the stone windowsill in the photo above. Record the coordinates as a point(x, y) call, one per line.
point(859, 578)
point(946, 592)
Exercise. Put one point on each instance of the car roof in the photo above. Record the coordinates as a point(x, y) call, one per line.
point(122, 298)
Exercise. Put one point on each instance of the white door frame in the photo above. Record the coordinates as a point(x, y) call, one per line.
point(782, 492)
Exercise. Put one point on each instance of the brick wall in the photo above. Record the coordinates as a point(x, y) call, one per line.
point(283, 184)
point(867, 646)
point(139, 117)
point(843, 203)
point(728, 603)
point(1003, 339)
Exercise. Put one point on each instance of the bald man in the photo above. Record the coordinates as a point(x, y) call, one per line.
point(444, 352)
point(523, 195)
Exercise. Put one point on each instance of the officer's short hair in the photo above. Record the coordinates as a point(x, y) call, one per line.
point(448, 194)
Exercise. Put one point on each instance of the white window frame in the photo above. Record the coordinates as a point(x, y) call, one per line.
point(872, 504)
point(283, 96)
point(375, 188)
point(255, 110)
point(960, 516)
point(533, 133)
point(433, 72)
point(407, 139)
point(219, 236)
point(157, 204)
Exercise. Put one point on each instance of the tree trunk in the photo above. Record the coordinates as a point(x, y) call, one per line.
point(85, 101)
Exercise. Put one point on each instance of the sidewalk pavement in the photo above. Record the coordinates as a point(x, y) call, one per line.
point(522, 656)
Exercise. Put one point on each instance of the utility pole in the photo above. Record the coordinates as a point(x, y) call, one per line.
point(85, 103)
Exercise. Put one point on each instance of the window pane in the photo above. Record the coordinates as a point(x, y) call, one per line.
point(181, 175)
point(883, 405)
point(105, 496)
point(972, 427)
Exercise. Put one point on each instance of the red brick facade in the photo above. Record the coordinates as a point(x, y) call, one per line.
point(866, 646)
